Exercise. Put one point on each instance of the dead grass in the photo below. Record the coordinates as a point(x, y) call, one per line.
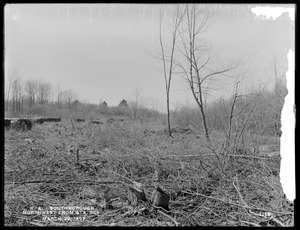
point(206, 187)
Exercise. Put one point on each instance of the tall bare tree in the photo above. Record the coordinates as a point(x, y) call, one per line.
point(31, 90)
point(17, 94)
point(21, 99)
point(43, 92)
point(136, 102)
point(8, 87)
point(168, 70)
point(59, 97)
point(198, 64)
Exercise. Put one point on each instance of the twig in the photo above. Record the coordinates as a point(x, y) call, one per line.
point(241, 197)
point(278, 222)
point(202, 166)
point(51, 158)
point(72, 163)
point(270, 185)
point(215, 154)
point(37, 223)
point(77, 156)
point(250, 223)
point(123, 177)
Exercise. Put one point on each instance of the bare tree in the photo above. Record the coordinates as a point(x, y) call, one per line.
point(43, 92)
point(199, 65)
point(17, 94)
point(21, 98)
point(59, 97)
point(136, 102)
point(168, 70)
point(8, 87)
point(31, 90)
point(232, 114)
point(69, 97)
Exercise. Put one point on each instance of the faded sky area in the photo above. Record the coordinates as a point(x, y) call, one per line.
point(104, 51)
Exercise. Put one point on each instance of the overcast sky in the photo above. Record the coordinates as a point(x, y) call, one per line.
point(105, 51)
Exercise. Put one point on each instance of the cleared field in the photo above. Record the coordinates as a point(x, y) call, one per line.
point(91, 165)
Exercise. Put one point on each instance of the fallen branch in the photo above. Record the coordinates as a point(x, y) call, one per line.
point(278, 222)
point(250, 223)
point(241, 197)
point(35, 223)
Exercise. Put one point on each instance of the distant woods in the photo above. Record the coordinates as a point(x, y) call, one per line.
point(39, 98)
point(258, 112)
point(34, 96)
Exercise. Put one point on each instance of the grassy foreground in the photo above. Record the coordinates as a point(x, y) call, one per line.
point(81, 166)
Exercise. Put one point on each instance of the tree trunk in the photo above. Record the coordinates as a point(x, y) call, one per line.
point(202, 113)
point(168, 110)
point(6, 105)
point(202, 108)
point(13, 105)
point(19, 106)
point(204, 124)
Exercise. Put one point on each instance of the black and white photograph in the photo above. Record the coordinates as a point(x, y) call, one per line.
point(162, 115)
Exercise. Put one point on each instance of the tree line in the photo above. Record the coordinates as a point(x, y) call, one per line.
point(39, 98)
point(22, 96)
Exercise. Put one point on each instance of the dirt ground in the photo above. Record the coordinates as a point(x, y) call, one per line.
point(72, 173)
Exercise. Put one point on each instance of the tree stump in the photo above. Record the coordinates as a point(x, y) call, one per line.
point(160, 199)
point(135, 195)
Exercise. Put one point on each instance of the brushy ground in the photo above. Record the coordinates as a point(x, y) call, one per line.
point(207, 186)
